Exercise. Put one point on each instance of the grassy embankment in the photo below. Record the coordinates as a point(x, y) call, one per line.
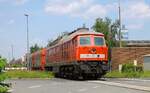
point(116, 74)
point(49, 75)
point(28, 74)
point(42, 74)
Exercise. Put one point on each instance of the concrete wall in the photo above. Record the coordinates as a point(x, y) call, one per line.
point(128, 55)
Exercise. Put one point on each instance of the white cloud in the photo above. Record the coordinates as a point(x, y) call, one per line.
point(135, 13)
point(65, 7)
point(137, 10)
point(90, 8)
point(79, 8)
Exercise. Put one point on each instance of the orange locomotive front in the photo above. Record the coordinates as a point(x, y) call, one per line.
point(92, 54)
point(92, 48)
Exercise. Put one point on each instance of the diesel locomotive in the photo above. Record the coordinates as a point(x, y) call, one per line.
point(80, 54)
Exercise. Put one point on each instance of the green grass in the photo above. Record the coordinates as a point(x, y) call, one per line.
point(29, 74)
point(116, 74)
point(146, 74)
point(2, 77)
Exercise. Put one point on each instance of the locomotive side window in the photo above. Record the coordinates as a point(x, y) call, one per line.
point(99, 41)
point(85, 41)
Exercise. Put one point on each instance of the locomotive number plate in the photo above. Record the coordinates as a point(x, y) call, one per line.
point(92, 55)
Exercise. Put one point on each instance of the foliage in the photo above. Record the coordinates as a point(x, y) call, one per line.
point(34, 48)
point(109, 29)
point(3, 86)
point(3, 89)
point(29, 74)
point(130, 68)
point(3, 63)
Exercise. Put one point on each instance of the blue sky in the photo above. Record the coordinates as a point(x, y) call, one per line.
point(49, 18)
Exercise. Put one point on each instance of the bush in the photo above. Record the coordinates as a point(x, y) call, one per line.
point(130, 68)
point(3, 89)
point(2, 63)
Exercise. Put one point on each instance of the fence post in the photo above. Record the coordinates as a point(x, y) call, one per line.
point(120, 67)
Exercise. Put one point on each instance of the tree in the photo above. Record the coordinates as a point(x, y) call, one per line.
point(3, 63)
point(35, 48)
point(109, 29)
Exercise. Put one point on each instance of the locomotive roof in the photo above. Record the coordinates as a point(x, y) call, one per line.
point(80, 31)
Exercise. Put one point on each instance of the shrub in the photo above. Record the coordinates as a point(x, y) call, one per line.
point(130, 68)
point(3, 89)
point(3, 63)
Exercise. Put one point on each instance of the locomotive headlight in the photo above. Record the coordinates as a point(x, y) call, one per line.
point(101, 55)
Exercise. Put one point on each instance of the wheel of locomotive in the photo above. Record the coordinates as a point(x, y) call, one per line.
point(97, 76)
point(80, 77)
point(61, 71)
point(85, 76)
point(74, 76)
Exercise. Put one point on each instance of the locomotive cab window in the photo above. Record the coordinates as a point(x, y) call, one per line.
point(99, 41)
point(85, 41)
